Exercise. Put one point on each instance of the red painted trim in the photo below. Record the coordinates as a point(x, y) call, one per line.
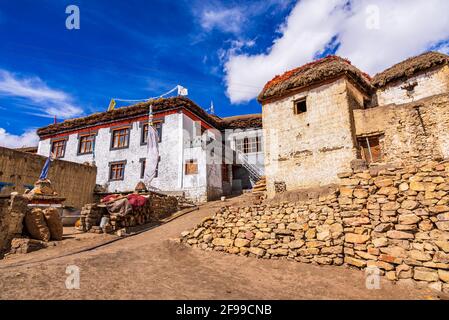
point(157, 117)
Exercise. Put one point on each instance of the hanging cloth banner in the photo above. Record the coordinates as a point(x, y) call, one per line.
point(46, 168)
point(152, 151)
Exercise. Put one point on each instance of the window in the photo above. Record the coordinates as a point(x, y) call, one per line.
point(157, 125)
point(370, 150)
point(191, 167)
point(300, 106)
point(58, 148)
point(117, 170)
point(86, 144)
point(249, 144)
point(120, 138)
point(142, 167)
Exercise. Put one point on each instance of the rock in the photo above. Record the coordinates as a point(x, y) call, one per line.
point(356, 238)
point(310, 234)
point(257, 251)
point(409, 219)
point(294, 226)
point(296, 244)
point(426, 274)
point(387, 191)
point(241, 243)
point(409, 204)
point(198, 232)
point(390, 259)
point(380, 242)
point(394, 234)
point(417, 186)
point(355, 262)
point(356, 221)
point(222, 242)
point(185, 234)
point(443, 245)
point(419, 255)
point(444, 275)
point(249, 235)
point(391, 275)
point(383, 182)
point(441, 257)
point(391, 206)
point(403, 187)
point(346, 192)
point(361, 193)
point(278, 252)
point(443, 216)
point(439, 209)
point(443, 225)
point(426, 225)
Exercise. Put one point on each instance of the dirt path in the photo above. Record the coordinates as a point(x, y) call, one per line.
point(153, 266)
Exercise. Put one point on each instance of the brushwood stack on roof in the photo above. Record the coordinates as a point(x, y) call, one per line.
point(410, 67)
point(142, 109)
point(312, 73)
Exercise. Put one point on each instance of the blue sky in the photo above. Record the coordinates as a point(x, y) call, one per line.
point(222, 51)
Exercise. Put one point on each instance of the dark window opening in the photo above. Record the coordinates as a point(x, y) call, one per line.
point(370, 149)
point(300, 106)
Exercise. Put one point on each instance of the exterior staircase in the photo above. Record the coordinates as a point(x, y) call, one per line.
point(255, 173)
point(261, 185)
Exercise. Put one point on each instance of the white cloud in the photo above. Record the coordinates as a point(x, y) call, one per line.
point(406, 28)
point(27, 139)
point(50, 101)
point(226, 20)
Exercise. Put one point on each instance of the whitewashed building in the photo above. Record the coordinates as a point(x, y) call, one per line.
point(201, 155)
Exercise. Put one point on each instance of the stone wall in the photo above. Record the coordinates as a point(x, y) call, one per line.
point(12, 212)
point(309, 149)
point(410, 132)
point(73, 181)
point(393, 218)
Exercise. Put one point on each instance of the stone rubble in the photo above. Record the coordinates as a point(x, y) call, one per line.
point(394, 218)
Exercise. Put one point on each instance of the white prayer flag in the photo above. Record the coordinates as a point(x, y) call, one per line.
point(182, 91)
point(152, 156)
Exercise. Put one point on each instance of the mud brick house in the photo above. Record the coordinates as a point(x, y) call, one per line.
point(193, 157)
point(320, 117)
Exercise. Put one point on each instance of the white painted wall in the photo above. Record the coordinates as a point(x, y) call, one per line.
point(429, 83)
point(174, 150)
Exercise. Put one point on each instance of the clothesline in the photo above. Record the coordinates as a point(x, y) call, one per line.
point(147, 99)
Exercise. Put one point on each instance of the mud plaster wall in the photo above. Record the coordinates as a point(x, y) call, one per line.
point(73, 181)
point(411, 132)
point(432, 82)
point(308, 149)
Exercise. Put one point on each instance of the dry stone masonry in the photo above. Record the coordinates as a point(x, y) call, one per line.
point(390, 217)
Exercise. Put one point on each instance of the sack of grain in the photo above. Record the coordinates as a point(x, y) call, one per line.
point(54, 223)
point(36, 225)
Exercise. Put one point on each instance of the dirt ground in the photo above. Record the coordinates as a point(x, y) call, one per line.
point(151, 265)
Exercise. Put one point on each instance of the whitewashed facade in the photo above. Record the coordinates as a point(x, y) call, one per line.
point(191, 153)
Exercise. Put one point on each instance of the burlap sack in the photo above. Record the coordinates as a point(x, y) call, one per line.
point(54, 223)
point(36, 225)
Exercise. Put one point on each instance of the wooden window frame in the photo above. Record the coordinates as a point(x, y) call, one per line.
point(127, 137)
point(191, 167)
point(116, 163)
point(143, 162)
point(300, 106)
point(64, 145)
point(81, 136)
point(365, 140)
point(144, 131)
point(249, 145)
